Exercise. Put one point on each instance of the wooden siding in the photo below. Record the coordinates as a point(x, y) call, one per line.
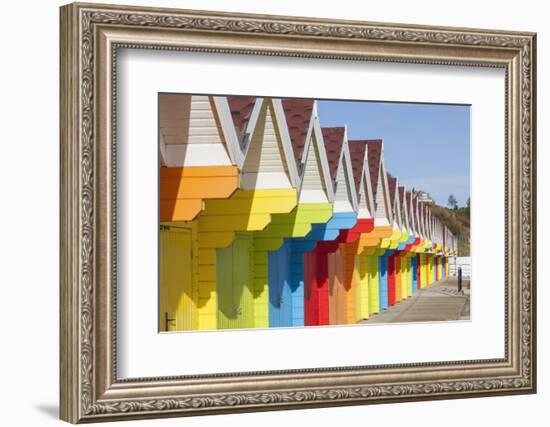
point(177, 284)
point(363, 283)
point(265, 165)
point(383, 281)
point(316, 276)
point(264, 256)
point(315, 291)
point(345, 248)
point(183, 190)
point(188, 119)
point(343, 189)
point(382, 199)
point(234, 284)
point(337, 291)
point(245, 210)
point(191, 131)
point(407, 289)
point(298, 223)
point(391, 278)
point(347, 254)
point(280, 299)
point(415, 273)
point(398, 277)
point(313, 188)
point(374, 285)
point(363, 205)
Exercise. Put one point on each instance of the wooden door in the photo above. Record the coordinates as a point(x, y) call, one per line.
point(234, 284)
point(280, 297)
point(311, 290)
point(383, 281)
point(177, 296)
point(390, 263)
point(361, 276)
point(414, 273)
point(398, 277)
point(374, 287)
point(337, 291)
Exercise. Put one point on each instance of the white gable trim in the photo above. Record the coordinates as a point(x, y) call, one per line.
point(428, 224)
point(318, 133)
point(411, 214)
point(362, 202)
point(365, 179)
point(308, 140)
point(287, 143)
point(288, 155)
point(346, 157)
point(383, 178)
point(312, 147)
point(397, 206)
point(229, 132)
point(404, 212)
point(425, 221)
point(252, 122)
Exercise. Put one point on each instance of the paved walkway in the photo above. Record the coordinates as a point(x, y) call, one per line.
point(438, 302)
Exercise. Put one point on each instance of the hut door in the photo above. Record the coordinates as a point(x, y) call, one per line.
point(177, 311)
point(280, 297)
point(337, 292)
point(234, 284)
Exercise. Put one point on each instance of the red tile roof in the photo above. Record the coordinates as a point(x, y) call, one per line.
point(421, 216)
point(408, 196)
point(424, 217)
point(298, 117)
point(374, 153)
point(408, 204)
point(357, 151)
point(334, 140)
point(241, 109)
point(392, 184)
point(401, 190)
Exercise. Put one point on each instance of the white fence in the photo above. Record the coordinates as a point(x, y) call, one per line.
point(465, 262)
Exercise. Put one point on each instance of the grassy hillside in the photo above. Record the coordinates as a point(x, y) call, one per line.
point(458, 221)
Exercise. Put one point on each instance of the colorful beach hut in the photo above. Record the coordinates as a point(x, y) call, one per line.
point(268, 168)
point(285, 262)
point(319, 287)
point(189, 127)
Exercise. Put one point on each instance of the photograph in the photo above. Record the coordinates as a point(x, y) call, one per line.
point(287, 212)
point(268, 209)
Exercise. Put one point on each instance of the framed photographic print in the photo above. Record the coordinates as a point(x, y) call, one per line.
point(266, 212)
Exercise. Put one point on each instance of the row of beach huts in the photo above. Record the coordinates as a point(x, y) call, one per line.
point(268, 219)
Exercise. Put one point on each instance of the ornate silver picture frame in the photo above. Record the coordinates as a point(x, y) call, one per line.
point(91, 35)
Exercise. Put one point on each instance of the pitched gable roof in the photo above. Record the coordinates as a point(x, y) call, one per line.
point(268, 158)
point(357, 149)
point(404, 208)
point(401, 190)
point(241, 109)
point(408, 197)
point(410, 207)
point(424, 219)
point(374, 155)
point(334, 141)
point(298, 114)
point(392, 186)
point(195, 130)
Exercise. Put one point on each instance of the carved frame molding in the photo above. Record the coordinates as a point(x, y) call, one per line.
point(90, 37)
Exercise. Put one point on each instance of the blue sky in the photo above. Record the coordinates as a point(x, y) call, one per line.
point(427, 146)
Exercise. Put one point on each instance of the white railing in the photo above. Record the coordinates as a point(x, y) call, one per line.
point(465, 262)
